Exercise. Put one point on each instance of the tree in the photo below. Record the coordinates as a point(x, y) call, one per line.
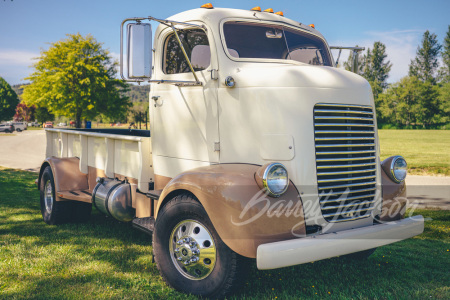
point(75, 77)
point(425, 65)
point(43, 115)
point(8, 100)
point(410, 101)
point(24, 112)
point(374, 67)
point(445, 70)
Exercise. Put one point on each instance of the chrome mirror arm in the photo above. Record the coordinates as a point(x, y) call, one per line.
point(171, 24)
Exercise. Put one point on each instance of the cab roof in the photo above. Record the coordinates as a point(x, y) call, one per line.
point(215, 15)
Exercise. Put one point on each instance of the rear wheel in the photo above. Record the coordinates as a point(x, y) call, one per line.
point(19, 130)
point(54, 212)
point(189, 253)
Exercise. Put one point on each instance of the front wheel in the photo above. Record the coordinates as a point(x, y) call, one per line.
point(189, 253)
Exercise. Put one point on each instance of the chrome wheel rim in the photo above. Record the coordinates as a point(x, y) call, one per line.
point(48, 197)
point(192, 249)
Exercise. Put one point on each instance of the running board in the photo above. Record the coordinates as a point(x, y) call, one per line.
point(146, 225)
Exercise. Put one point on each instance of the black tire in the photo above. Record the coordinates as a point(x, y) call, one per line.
point(19, 130)
point(7, 131)
point(81, 212)
point(363, 255)
point(55, 212)
point(229, 270)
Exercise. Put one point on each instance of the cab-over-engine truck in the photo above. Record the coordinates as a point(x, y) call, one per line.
point(260, 148)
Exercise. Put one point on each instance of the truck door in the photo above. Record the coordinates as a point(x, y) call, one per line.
point(184, 119)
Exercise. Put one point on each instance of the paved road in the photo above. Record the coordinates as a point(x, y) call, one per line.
point(26, 150)
point(23, 150)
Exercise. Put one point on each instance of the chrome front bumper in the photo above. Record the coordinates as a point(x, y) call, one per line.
point(313, 248)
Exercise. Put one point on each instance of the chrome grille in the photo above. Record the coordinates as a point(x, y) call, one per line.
point(346, 160)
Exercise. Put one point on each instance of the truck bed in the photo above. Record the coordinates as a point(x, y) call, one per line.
point(117, 152)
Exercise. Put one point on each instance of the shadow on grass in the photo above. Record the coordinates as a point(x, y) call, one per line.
point(108, 259)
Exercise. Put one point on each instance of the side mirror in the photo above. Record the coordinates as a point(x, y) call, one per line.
point(139, 50)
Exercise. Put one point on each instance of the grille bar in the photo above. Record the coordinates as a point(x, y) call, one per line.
point(347, 185)
point(344, 111)
point(347, 199)
point(344, 159)
point(344, 131)
point(344, 145)
point(359, 138)
point(345, 124)
point(342, 118)
point(347, 106)
point(339, 213)
point(346, 172)
point(345, 166)
point(349, 192)
point(344, 137)
point(348, 205)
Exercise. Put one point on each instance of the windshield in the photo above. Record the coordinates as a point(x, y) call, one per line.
point(252, 40)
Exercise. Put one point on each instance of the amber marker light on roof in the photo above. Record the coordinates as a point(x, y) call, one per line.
point(312, 25)
point(207, 5)
point(280, 13)
point(269, 10)
point(256, 8)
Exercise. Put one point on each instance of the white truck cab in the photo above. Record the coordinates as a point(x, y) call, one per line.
point(260, 148)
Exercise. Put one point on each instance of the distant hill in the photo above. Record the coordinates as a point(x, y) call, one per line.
point(137, 93)
point(19, 91)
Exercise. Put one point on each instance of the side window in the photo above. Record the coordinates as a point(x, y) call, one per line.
point(195, 42)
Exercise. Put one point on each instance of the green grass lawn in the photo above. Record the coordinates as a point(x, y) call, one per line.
point(106, 259)
point(427, 152)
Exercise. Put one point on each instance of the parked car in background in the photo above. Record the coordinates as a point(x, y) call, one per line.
point(8, 128)
point(48, 124)
point(34, 124)
point(20, 126)
point(62, 124)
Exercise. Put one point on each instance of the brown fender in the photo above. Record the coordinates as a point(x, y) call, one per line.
point(66, 174)
point(241, 213)
point(394, 195)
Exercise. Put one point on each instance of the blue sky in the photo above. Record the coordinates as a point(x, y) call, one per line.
point(26, 26)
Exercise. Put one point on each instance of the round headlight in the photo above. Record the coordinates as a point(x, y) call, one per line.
point(273, 178)
point(399, 169)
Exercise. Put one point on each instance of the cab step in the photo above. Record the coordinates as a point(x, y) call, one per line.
point(146, 225)
point(154, 194)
